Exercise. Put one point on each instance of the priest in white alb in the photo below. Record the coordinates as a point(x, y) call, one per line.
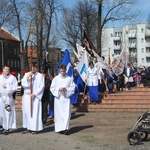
point(32, 116)
point(62, 88)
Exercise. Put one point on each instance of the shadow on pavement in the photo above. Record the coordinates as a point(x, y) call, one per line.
point(79, 128)
point(74, 116)
point(47, 129)
point(18, 130)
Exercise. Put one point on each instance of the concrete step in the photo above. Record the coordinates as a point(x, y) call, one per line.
point(141, 110)
point(127, 101)
point(129, 93)
point(135, 100)
point(140, 89)
point(129, 96)
point(119, 105)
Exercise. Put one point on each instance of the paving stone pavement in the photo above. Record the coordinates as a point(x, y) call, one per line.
point(88, 131)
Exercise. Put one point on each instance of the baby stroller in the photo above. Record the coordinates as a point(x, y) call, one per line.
point(140, 130)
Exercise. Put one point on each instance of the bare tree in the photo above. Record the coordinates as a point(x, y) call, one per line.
point(76, 20)
point(113, 10)
point(5, 12)
point(17, 23)
point(43, 14)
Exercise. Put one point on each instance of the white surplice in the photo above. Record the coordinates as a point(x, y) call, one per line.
point(7, 119)
point(62, 109)
point(92, 76)
point(34, 122)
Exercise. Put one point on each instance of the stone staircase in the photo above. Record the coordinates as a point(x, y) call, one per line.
point(135, 100)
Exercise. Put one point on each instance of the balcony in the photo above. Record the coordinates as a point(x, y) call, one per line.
point(147, 32)
point(118, 47)
point(147, 54)
point(132, 35)
point(132, 45)
point(147, 44)
point(117, 38)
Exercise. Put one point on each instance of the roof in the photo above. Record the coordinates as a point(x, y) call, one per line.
point(4, 34)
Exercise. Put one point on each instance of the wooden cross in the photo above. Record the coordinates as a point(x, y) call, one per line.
point(31, 28)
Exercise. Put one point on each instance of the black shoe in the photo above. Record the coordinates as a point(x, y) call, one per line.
point(66, 132)
point(61, 132)
point(26, 131)
point(5, 132)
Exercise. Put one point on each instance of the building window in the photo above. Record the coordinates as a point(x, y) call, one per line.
point(11, 63)
point(18, 64)
point(15, 63)
point(15, 51)
point(142, 50)
point(142, 60)
point(117, 43)
point(148, 59)
point(148, 50)
point(120, 34)
point(8, 62)
point(142, 40)
point(116, 34)
point(142, 30)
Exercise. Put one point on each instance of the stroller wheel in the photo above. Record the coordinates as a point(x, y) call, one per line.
point(134, 138)
point(144, 135)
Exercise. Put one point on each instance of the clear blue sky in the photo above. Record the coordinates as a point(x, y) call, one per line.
point(69, 3)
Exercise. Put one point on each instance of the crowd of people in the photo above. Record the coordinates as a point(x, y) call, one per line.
point(40, 93)
point(104, 78)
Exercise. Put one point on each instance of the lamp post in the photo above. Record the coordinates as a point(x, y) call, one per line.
point(2, 53)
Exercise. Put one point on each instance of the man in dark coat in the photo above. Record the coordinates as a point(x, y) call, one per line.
point(45, 98)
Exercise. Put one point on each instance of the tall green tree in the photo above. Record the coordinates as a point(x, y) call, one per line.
point(81, 17)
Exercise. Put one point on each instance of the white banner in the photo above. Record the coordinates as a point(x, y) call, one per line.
point(82, 66)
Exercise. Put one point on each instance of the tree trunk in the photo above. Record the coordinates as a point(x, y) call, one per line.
point(99, 30)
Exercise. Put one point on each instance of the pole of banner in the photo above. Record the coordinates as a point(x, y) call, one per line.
point(109, 61)
point(31, 90)
point(84, 91)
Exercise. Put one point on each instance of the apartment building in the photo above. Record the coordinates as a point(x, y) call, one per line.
point(133, 40)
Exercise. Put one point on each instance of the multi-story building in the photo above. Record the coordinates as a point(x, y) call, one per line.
point(132, 40)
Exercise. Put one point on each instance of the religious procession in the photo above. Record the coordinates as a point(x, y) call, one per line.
point(45, 96)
